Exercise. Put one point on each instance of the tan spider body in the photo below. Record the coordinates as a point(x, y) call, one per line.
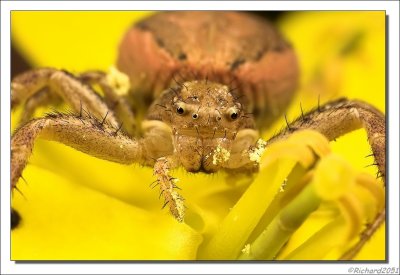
point(202, 85)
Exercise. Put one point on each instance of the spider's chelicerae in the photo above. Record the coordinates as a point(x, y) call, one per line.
point(195, 90)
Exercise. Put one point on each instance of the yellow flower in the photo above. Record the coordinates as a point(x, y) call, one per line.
point(80, 207)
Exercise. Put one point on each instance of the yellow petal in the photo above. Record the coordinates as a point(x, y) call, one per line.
point(63, 220)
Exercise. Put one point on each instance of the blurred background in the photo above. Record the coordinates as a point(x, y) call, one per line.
point(22, 62)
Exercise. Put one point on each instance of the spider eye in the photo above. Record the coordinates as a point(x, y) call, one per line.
point(233, 113)
point(180, 110)
point(195, 116)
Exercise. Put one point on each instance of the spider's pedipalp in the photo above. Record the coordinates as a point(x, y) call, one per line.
point(167, 185)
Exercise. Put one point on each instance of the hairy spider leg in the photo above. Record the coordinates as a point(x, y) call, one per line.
point(116, 102)
point(337, 118)
point(63, 84)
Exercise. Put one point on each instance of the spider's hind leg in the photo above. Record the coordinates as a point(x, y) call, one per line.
point(28, 86)
point(337, 118)
point(115, 96)
point(42, 98)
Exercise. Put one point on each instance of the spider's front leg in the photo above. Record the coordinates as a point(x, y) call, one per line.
point(86, 134)
point(337, 118)
point(340, 117)
point(91, 136)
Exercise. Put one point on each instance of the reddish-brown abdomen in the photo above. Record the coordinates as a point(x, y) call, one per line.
point(233, 48)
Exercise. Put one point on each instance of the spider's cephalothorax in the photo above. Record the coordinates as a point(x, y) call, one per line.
point(242, 77)
point(203, 116)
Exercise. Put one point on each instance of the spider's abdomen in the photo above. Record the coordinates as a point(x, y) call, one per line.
point(233, 48)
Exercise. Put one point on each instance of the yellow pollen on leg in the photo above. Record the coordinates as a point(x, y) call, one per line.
point(220, 155)
point(118, 81)
point(256, 153)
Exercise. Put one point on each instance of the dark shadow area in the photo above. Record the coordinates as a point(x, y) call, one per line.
point(272, 16)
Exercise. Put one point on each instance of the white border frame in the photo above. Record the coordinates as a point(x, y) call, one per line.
point(392, 10)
